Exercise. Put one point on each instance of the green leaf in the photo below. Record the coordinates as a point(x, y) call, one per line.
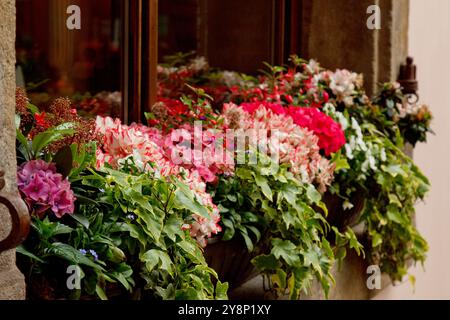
point(376, 240)
point(340, 162)
point(394, 214)
point(188, 294)
point(244, 234)
point(63, 160)
point(184, 198)
point(285, 249)
point(313, 194)
point(394, 170)
point(221, 290)
point(192, 250)
point(100, 292)
point(81, 219)
point(21, 249)
point(61, 229)
point(229, 231)
point(266, 262)
point(280, 278)
point(43, 139)
point(33, 109)
point(265, 188)
point(71, 254)
point(172, 227)
point(154, 257)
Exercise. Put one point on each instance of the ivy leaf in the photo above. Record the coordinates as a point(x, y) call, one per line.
point(285, 249)
point(394, 214)
point(221, 290)
point(172, 228)
point(340, 162)
point(185, 198)
point(312, 258)
point(280, 278)
point(266, 262)
point(394, 170)
point(265, 188)
point(376, 240)
point(313, 194)
point(154, 257)
point(192, 250)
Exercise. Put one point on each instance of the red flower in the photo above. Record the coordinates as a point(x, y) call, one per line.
point(331, 136)
point(41, 121)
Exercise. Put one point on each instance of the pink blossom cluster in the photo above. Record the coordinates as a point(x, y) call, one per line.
point(146, 146)
point(330, 134)
point(297, 146)
point(43, 188)
point(203, 151)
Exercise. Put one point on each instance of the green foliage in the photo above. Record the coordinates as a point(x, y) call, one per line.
point(391, 187)
point(133, 223)
point(35, 148)
point(390, 214)
point(276, 212)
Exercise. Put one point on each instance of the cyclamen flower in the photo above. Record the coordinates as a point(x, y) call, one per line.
point(43, 188)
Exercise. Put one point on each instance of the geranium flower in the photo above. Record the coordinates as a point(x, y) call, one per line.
point(296, 146)
point(153, 152)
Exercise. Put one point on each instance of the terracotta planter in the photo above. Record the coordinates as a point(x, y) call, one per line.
point(339, 217)
point(231, 260)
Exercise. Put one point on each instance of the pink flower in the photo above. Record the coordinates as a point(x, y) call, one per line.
point(36, 189)
point(159, 153)
point(297, 145)
point(43, 188)
point(63, 202)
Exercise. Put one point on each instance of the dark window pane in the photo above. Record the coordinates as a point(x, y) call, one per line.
point(81, 64)
point(232, 34)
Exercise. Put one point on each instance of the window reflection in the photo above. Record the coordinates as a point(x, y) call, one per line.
point(83, 65)
point(232, 34)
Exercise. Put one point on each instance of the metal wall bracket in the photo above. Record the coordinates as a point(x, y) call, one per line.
point(20, 218)
point(408, 80)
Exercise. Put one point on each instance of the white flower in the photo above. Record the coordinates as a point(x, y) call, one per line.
point(343, 85)
point(199, 64)
point(312, 66)
point(347, 205)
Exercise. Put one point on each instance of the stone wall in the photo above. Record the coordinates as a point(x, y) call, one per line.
point(335, 33)
point(12, 284)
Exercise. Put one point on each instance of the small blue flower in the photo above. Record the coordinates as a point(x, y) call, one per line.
point(101, 190)
point(83, 252)
point(94, 254)
point(131, 217)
